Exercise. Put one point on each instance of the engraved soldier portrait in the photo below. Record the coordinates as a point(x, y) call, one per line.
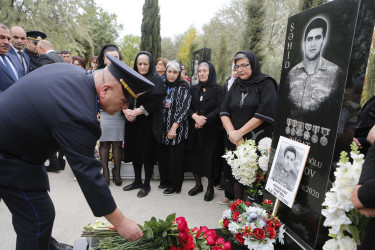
point(313, 80)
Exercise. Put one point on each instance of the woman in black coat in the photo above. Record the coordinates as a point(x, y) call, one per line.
point(173, 130)
point(205, 141)
point(249, 108)
point(140, 143)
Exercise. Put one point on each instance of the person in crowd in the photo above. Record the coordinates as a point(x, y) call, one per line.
point(140, 143)
point(174, 130)
point(79, 61)
point(161, 64)
point(54, 122)
point(46, 54)
point(67, 56)
point(112, 125)
point(184, 74)
point(33, 37)
point(363, 195)
point(249, 108)
point(94, 64)
point(18, 43)
point(205, 147)
point(10, 66)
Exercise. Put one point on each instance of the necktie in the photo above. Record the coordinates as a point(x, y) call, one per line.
point(14, 75)
point(23, 61)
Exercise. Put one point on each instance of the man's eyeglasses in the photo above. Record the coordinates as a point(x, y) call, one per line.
point(243, 66)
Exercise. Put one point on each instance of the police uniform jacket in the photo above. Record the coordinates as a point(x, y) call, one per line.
point(50, 108)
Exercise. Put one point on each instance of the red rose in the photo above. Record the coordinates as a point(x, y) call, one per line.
point(210, 240)
point(173, 247)
point(247, 203)
point(225, 223)
point(227, 245)
point(271, 232)
point(239, 238)
point(233, 207)
point(212, 233)
point(180, 220)
point(259, 234)
point(190, 244)
point(220, 241)
point(182, 226)
point(204, 229)
point(183, 237)
point(277, 225)
point(235, 216)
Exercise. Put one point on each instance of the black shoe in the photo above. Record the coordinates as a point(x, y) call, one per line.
point(54, 245)
point(209, 195)
point(132, 186)
point(53, 167)
point(143, 192)
point(162, 186)
point(219, 187)
point(169, 191)
point(195, 190)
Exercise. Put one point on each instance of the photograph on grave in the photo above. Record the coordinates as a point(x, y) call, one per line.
point(197, 57)
point(318, 52)
point(287, 169)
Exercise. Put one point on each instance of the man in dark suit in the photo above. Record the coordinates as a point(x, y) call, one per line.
point(10, 67)
point(60, 104)
point(33, 37)
point(46, 54)
point(18, 42)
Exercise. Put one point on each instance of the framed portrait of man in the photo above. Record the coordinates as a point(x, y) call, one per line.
point(287, 169)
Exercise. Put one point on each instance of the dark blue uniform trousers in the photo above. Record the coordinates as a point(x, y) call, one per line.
point(33, 214)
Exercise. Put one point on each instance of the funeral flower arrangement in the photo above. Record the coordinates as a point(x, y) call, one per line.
point(173, 233)
point(346, 224)
point(252, 226)
point(249, 164)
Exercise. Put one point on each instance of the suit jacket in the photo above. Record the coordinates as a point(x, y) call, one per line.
point(25, 56)
point(60, 113)
point(51, 57)
point(6, 78)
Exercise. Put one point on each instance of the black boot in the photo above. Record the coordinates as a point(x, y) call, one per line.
point(54, 245)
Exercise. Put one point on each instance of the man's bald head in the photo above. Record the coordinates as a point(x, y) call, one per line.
point(44, 46)
point(18, 37)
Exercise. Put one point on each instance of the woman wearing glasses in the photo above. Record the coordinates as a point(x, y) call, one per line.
point(249, 108)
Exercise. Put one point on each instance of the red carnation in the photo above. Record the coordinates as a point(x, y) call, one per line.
point(247, 203)
point(235, 216)
point(239, 238)
point(225, 223)
point(271, 232)
point(259, 233)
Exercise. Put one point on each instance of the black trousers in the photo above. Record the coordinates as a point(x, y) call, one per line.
point(171, 164)
point(33, 214)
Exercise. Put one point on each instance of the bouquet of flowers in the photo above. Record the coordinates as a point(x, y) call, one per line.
point(252, 226)
point(173, 233)
point(347, 225)
point(249, 164)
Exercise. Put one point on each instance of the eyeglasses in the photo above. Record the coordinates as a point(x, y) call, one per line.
point(243, 66)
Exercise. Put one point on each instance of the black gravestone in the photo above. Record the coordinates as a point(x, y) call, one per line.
point(311, 100)
point(203, 54)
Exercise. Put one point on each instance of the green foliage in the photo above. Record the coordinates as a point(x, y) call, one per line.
point(222, 68)
point(188, 45)
point(370, 78)
point(150, 39)
point(168, 48)
point(129, 48)
point(308, 4)
point(254, 31)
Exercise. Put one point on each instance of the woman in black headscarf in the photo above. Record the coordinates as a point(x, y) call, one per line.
point(205, 141)
point(249, 108)
point(174, 130)
point(140, 143)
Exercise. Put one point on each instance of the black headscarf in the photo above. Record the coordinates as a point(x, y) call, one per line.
point(256, 76)
point(152, 74)
point(211, 81)
point(178, 81)
point(106, 48)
